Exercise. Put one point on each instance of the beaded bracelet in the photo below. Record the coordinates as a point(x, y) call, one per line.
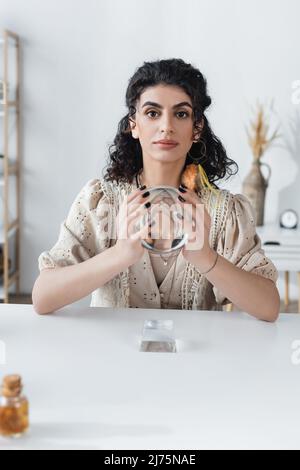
point(210, 269)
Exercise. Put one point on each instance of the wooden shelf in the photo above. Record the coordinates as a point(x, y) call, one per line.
point(10, 104)
point(12, 170)
point(13, 276)
point(12, 38)
point(2, 113)
point(11, 231)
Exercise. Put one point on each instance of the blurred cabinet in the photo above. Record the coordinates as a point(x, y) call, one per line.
point(282, 246)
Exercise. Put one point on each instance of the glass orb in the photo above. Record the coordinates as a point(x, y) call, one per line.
point(166, 235)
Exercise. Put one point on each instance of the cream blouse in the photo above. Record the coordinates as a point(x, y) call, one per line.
point(148, 284)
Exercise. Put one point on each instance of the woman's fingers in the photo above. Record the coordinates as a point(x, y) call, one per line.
point(189, 215)
point(192, 205)
point(134, 194)
point(127, 210)
point(132, 203)
point(141, 234)
point(133, 221)
point(194, 219)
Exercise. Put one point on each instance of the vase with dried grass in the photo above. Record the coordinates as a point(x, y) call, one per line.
point(255, 184)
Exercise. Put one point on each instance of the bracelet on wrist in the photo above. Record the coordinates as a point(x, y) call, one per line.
point(212, 267)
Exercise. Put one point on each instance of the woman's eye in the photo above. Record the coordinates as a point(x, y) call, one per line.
point(183, 112)
point(180, 114)
point(151, 112)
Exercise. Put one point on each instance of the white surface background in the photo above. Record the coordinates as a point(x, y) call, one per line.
point(234, 382)
point(78, 57)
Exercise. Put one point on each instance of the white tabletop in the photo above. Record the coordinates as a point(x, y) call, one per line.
point(232, 383)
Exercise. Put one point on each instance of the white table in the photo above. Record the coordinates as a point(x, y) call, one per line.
point(285, 254)
point(232, 383)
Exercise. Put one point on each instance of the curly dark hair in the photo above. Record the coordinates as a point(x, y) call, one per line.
point(125, 154)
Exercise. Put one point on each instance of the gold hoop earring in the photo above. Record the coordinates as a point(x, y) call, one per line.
point(205, 183)
point(203, 156)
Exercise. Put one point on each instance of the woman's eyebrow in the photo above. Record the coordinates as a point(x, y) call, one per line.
point(157, 105)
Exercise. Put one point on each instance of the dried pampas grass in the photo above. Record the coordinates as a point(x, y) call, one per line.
point(258, 138)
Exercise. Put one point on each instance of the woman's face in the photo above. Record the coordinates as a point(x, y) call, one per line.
point(164, 112)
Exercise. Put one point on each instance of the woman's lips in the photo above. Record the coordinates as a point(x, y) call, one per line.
point(165, 146)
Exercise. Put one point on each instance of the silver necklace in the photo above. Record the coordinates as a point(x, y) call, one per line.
point(167, 260)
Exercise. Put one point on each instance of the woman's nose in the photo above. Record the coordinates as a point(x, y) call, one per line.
point(166, 125)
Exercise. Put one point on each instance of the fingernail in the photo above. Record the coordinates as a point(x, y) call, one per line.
point(181, 190)
point(146, 194)
point(143, 187)
point(147, 205)
point(181, 199)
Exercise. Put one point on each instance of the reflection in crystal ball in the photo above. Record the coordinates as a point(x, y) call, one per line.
point(166, 233)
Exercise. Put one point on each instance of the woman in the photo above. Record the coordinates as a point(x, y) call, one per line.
point(164, 133)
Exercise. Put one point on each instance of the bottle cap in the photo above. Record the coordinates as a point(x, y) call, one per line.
point(11, 386)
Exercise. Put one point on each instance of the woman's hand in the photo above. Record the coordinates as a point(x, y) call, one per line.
point(197, 224)
point(129, 239)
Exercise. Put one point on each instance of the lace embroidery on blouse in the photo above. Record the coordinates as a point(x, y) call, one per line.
point(87, 231)
point(217, 207)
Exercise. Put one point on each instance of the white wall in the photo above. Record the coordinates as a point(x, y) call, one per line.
point(78, 57)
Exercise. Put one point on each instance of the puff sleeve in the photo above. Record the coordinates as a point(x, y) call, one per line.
point(79, 233)
point(240, 244)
